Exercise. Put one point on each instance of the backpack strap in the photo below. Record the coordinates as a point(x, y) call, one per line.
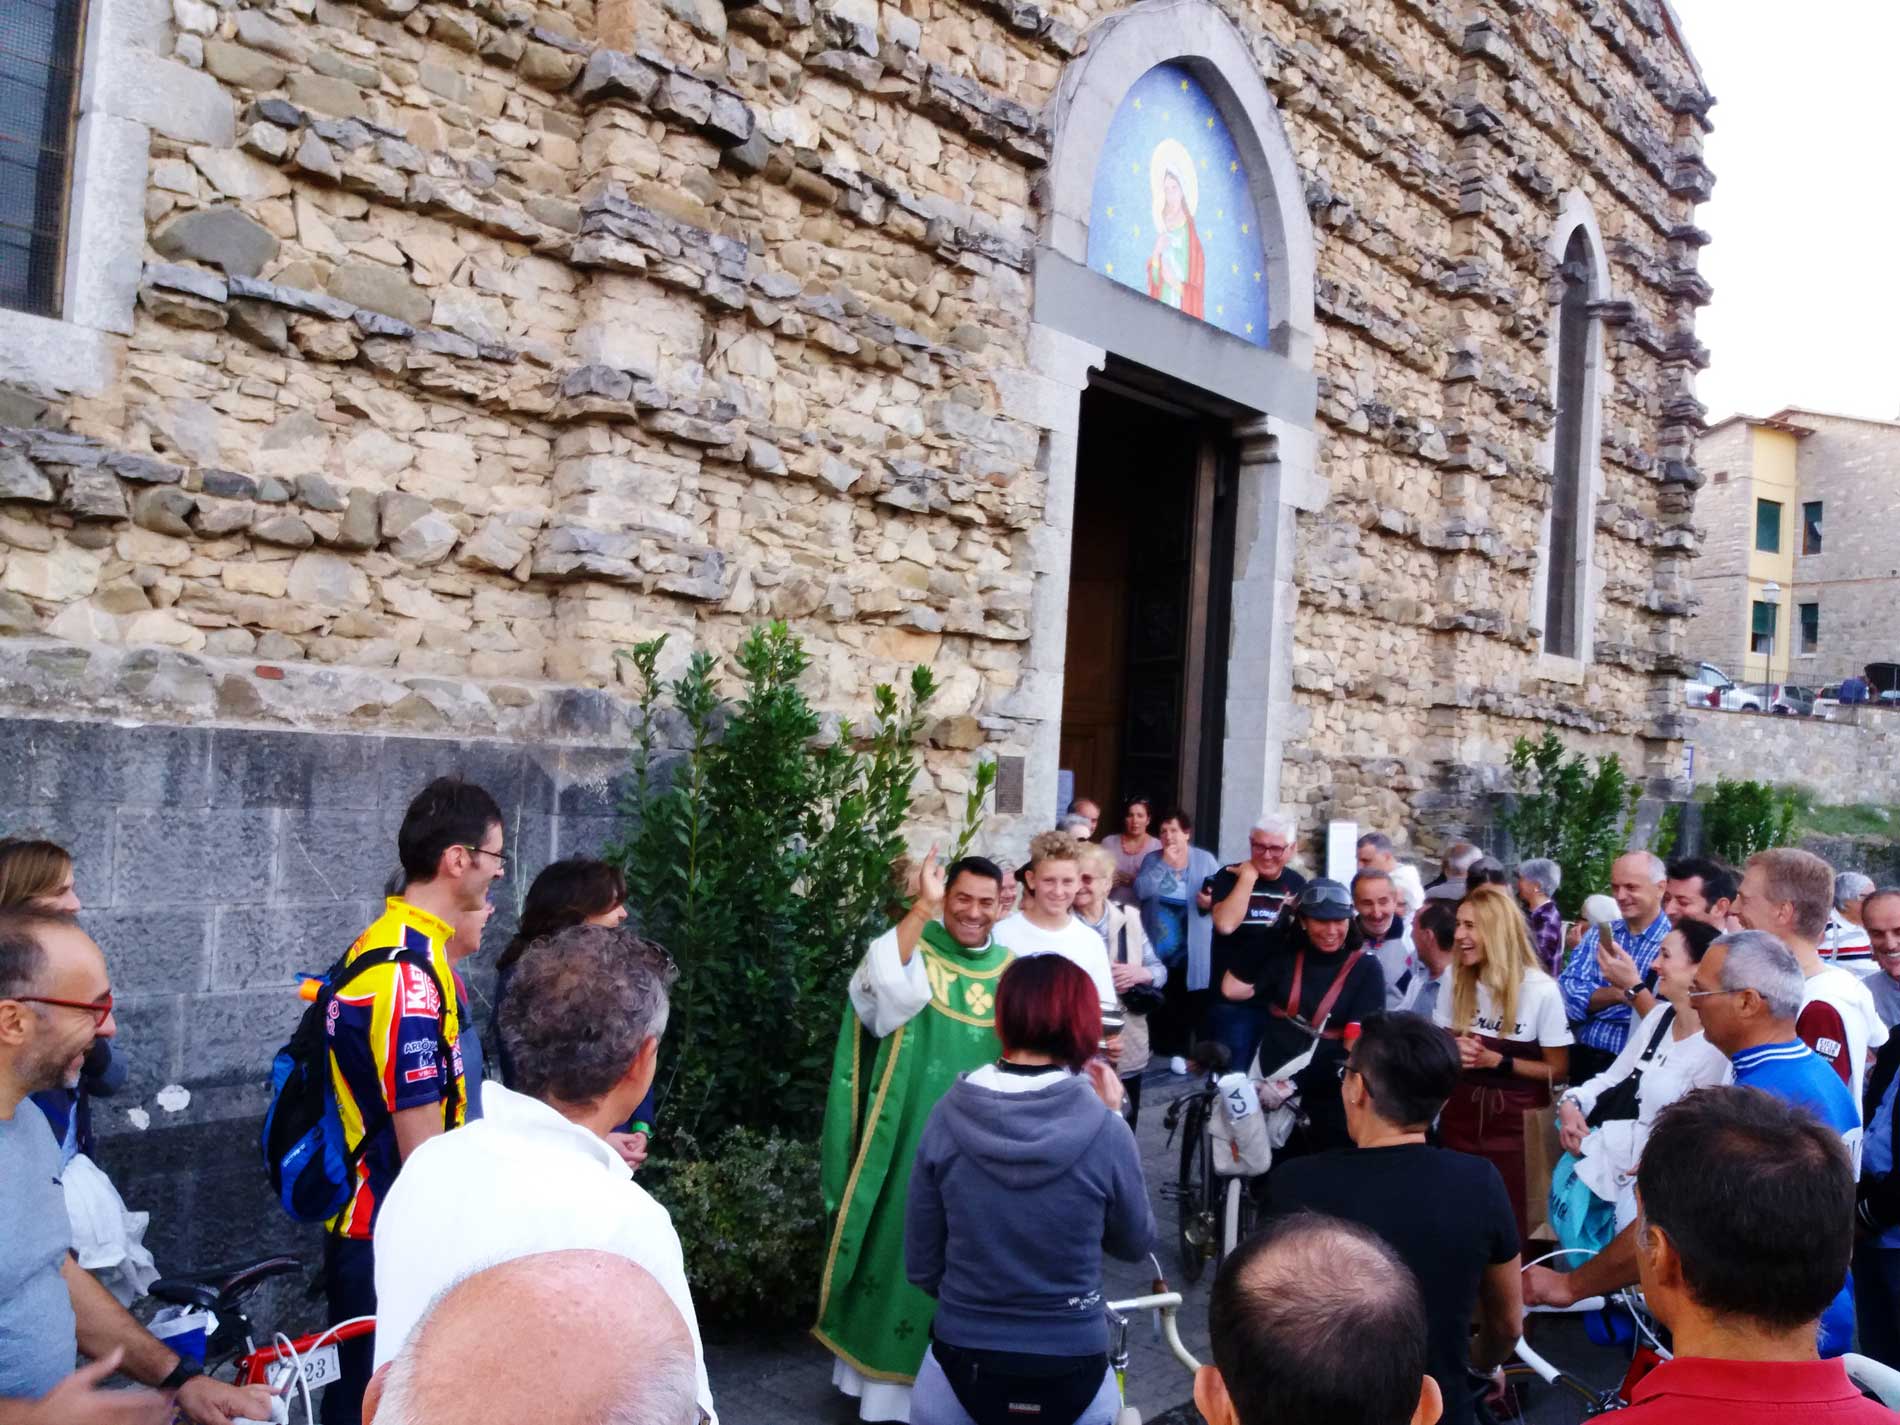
point(1325, 1006)
point(1655, 1039)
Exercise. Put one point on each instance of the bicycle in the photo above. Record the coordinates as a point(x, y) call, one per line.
point(306, 1364)
point(1166, 1305)
point(1216, 1211)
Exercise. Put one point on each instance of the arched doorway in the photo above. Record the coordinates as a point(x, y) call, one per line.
point(1179, 403)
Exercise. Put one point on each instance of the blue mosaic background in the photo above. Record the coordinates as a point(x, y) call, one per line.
point(1168, 104)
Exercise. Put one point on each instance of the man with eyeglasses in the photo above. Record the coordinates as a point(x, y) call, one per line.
point(55, 1001)
point(396, 1061)
point(1244, 900)
point(1748, 989)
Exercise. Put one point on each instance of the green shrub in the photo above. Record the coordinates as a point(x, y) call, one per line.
point(1577, 815)
point(752, 1225)
point(763, 860)
point(1742, 818)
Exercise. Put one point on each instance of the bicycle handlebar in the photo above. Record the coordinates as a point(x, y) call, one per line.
point(1168, 1303)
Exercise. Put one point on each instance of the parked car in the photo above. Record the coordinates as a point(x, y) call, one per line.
point(1787, 699)
point(1827, 701)
point(1708, 687)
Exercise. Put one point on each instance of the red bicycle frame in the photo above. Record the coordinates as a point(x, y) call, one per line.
point(254, 1368)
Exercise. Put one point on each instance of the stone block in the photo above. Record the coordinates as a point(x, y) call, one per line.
point(243, 67)
point(328, 95)
point(177, 857)
point(155, 948)
point(147, 766)
point(258, 946)
point(85, 828)
point(148, 1044)
point(164, 509)
point(230, 1036)
point(169, 98)
point(224, 237)
point(21, 480)
point(256, 768)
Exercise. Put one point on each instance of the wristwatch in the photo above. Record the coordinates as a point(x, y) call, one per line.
point(1633, 991)
point(186, 1369)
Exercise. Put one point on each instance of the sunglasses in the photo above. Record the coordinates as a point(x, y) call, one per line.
point(100, 1010)
point(1324, 895)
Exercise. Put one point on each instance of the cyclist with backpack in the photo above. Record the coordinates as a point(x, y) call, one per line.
point(383, 1037)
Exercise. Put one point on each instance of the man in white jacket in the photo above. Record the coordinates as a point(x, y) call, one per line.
point(581, 1025)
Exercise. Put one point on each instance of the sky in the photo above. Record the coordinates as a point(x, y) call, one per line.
point(1804, 262)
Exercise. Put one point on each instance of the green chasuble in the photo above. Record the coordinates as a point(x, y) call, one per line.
point(882, 1092)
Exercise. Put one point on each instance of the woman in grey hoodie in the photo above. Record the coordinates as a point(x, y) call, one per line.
point(1025, 1174)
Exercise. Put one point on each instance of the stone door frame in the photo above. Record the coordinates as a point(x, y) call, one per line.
point(1079, 317)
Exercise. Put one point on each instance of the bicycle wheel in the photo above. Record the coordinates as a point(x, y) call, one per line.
point(1566, 1402)
point(1237, 1213)
point(1196, 1224)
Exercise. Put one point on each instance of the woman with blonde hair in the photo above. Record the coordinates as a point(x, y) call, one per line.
point(1507, 1015)
point(36, 873)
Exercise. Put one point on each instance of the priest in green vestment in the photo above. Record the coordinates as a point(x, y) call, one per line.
point(922, 1011)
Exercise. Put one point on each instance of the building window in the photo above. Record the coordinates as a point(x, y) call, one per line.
point(39, 90)
point(1811, 527)
point(1761, 637)
point(1810, 628)
point(1564, 582)
point(1768, 526)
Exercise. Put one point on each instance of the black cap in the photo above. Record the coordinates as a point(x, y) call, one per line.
point(1324, 899)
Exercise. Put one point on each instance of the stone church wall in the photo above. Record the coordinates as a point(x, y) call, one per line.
point(469, 341)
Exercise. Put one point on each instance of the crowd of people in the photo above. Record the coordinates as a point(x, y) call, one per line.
point(1721, 1075)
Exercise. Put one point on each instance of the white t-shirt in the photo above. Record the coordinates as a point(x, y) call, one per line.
point(520, 1180)
point(1540, 1012)
point(1838, 1017)
point(1075, 941)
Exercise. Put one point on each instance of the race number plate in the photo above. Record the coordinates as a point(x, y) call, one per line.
point(322, 1366)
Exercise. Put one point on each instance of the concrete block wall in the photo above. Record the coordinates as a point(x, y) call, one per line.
point(215, 862)
point(1841, 763)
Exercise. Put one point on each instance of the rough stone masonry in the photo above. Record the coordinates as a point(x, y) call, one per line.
point(465, 342)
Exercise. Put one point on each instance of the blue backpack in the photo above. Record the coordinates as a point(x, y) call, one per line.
point(311, 1167)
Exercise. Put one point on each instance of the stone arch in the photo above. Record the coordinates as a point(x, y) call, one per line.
point(1195, 34)
point(1572, 451)
point(1080, 316)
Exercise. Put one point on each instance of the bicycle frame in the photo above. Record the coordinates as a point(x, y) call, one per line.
point(253, 1367)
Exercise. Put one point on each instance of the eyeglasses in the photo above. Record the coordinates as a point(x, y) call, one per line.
point(500, 859)
point(1704, 994)
point(100, 1010)
point(1343, 1070)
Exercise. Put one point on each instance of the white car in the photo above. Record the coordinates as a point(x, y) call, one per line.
point(1712, 688)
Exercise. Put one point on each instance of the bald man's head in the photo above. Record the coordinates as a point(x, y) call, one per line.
point(560, 1338)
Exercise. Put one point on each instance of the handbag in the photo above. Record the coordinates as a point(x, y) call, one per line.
point(1136, 999)
point(1582, 1221)
point(1620, 1100)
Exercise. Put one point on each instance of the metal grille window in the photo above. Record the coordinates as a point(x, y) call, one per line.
point(40, 44)
point(1761, 638)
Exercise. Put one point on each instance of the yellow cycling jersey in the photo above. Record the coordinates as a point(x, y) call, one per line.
point(385, 1033)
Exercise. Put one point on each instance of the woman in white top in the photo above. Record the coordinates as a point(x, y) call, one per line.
point(1665, 1056)
point(1513, 1038)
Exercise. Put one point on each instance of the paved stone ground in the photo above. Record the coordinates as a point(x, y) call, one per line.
point(787, 1378)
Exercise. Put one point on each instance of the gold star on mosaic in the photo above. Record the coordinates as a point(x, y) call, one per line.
point(1135, 168)
point(1256, 277)
point(1111, 213)
point(1236, 267)
point(1220, 311)
point(1184, 86)
point(1137, 103)
point(1234, 167)
point(1109, 268)
point(1210, 123)
point(1249, 328)
point(1244, 227)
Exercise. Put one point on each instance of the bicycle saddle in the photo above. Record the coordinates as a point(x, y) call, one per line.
point(216, 1290)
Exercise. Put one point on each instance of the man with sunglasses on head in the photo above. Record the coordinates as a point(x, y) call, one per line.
point(397, 1066)
point(55, 1001)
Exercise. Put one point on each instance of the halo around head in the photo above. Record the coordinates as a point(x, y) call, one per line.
point(1171, 156)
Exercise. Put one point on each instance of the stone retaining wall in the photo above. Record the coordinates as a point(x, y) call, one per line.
point(1842, 763)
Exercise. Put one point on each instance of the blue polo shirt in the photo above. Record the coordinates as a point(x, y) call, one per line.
point(1795, 1074)
point(1876, 1153)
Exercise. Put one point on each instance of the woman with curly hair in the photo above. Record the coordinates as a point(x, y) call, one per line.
point(1507, 1015)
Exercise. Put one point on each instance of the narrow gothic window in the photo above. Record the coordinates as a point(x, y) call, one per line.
point(1563, 586)
point(39, 91)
